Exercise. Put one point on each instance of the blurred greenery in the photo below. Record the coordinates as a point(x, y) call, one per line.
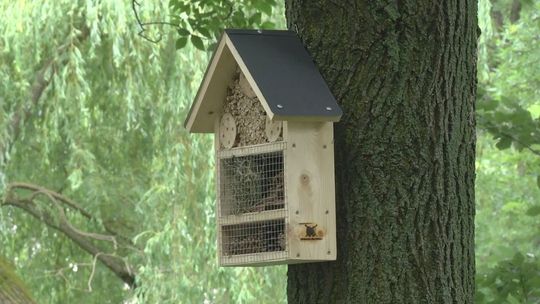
point(107, 133)
point(508, 155)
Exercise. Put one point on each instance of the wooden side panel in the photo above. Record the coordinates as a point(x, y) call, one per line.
point(217, 164)
point(310, 187)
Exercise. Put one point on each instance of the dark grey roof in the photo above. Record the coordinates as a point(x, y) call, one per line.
point(285, 74)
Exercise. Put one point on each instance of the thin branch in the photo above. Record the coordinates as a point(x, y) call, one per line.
point(142, 25)
point(116, 264)
point(37, 190)
point(92, 273)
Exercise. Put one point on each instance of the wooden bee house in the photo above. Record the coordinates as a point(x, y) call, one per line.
point(272, 115)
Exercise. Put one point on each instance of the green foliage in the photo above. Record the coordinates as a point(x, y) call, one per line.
point(107, 132)
point(509, 75)
point(203, 21)
point(516, 280)
point(507, 189)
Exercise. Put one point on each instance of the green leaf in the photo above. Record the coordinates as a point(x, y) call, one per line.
point(197, 42)
point(183, 32)
point(205, 32)
point(181, 42)
point(255, 19)
point(268, 25)
point(264, 7)
point(512, 300)
point(504, 143)
point(533, 211)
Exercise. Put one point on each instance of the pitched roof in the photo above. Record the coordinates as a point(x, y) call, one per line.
point(278, 68)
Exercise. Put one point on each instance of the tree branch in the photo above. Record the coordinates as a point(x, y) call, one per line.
point(42, 80)
point(37, 190)
point(83, 239)
point(143, 25)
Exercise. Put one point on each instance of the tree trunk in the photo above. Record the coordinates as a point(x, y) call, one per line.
point(404, 73)
point(12, 289)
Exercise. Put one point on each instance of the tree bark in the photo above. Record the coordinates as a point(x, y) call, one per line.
point(12, 288)
point(404, 73)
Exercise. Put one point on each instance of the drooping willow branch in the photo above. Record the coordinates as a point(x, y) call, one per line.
point(41, 81)
point(59, 221)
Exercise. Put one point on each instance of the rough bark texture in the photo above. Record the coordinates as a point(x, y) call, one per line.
point(12, 288)
point(404, 73)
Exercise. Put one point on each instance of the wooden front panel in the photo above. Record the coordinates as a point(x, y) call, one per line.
point(309, 162)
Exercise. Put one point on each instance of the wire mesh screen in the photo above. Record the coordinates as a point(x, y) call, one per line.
point(254, 237)
point(251, 182)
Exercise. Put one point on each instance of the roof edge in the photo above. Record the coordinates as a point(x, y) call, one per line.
point(259, 32)
point(198, 98)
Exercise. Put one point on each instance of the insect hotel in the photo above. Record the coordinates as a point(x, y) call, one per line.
point(272, 116)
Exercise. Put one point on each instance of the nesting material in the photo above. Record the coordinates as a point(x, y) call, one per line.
point(259, 237)
point(248, 113)
point(252, 183)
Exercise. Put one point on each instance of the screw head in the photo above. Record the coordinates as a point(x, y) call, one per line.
point(280, 106)
point(326, 212)
point(298, 255)
point(328, 108)
point(328, 252)
point(297, 212)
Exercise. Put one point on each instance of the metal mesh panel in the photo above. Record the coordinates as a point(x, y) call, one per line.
point(255, 237)
point(252, 181)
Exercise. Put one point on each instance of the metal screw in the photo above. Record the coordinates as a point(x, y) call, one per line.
point(298, 255)
point(328, 252)
point(326, 212)
point(280, 106)
point(297, 212)
point(324, 147)
point(293, 145)
point(211, 112)
point(328, 109)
